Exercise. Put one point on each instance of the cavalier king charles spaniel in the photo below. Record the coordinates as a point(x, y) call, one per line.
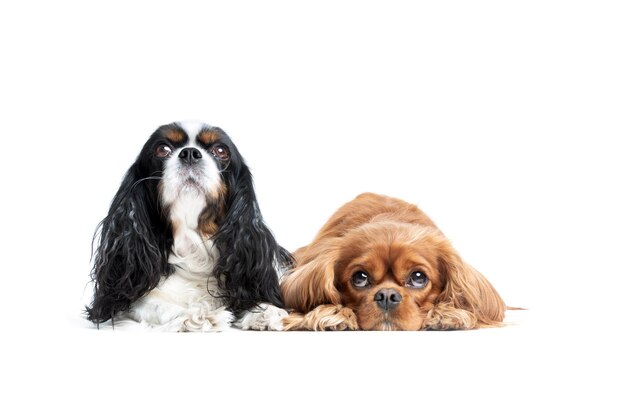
point(184, 246)
point(380, 263)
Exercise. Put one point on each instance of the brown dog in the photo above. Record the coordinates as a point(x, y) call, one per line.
point(380, 263)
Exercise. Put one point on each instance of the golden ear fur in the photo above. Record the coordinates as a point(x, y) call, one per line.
point(468, 300)
point(312, 283)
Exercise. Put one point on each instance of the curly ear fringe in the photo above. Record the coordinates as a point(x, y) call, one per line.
point(468, 300)
point(131, 257)
point(313, 282)
point(249, 254)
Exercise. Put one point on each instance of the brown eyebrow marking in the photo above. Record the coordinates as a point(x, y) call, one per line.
point(174, 135)
point(208, 136)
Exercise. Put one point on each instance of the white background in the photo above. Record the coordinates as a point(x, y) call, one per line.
point(503, 121)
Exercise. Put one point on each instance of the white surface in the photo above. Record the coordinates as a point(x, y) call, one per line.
point(505, 123)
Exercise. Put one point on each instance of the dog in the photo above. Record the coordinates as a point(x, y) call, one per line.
point(380, 263)
point(184, 246)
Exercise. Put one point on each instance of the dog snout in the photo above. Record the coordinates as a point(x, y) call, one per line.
point(388, 299)
point(190, 155)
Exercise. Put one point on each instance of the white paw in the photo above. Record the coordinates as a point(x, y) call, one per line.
point(265, 317)
point(201, 319)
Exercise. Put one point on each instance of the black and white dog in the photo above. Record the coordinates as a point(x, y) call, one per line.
point(184, 246)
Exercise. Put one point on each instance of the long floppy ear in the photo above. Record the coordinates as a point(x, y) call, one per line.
point(312, 283)
point(468, 300)
point(132, 251)
point(249, 255)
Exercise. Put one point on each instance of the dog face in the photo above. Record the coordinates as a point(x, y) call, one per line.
point(392, 281)
point(190, 162)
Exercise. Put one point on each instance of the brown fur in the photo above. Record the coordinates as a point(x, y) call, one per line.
point(175, 135)
point(389, 239)
point(213, 214)
point(208, 136)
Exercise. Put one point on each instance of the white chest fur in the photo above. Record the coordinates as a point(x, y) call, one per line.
point(186, 300)
point(193, 255)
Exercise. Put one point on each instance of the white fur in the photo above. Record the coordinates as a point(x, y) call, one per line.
point(265, 317)
point(192, 127)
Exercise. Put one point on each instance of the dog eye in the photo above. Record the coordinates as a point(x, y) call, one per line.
point(220, 152)
point(417, 279)
point(162, 151)
point(360, 279)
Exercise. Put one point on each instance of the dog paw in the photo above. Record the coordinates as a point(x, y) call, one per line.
point(321, 318)
point(264, 317)
point(449, 319)
point(342, 318)
point(201, 319)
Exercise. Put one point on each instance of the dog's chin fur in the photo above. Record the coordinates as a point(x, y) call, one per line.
point(388, 240)
point(184, 246)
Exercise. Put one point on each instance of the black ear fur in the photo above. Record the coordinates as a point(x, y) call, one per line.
point(132, 252)
point(249, 254)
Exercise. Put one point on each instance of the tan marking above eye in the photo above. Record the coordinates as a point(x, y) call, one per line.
point(174, 135)
point(208, 137)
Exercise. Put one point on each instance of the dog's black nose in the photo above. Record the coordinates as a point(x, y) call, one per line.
point(190, 155)
point(388, 299)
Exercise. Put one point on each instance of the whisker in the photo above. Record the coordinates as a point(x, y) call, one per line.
point(225, 168)
point(144, 179)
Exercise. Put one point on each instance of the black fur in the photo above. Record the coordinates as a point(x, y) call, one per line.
point(136, 238)
point(248, 251)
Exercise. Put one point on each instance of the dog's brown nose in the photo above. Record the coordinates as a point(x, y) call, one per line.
point(388, 299)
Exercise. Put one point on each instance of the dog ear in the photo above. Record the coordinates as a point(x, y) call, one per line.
point(313, 282)
point(250, 257)
point(467, 301)
point(131, 255)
